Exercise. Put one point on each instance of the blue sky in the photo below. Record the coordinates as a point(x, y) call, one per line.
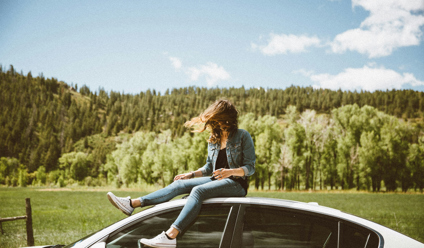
point(132, 46)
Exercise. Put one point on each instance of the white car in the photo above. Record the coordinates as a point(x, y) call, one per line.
point(252, 222)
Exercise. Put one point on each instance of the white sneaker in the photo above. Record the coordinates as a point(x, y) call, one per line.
point(159, 241)
point(121, 203)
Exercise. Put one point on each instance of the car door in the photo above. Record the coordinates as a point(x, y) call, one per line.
point(213, 227)
point(266, 226)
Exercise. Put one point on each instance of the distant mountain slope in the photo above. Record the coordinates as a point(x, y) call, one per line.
point(43, 118)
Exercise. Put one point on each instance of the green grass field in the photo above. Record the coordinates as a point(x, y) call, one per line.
point(60, 217)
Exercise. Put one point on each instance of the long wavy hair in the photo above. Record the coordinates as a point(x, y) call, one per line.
point(221, 115)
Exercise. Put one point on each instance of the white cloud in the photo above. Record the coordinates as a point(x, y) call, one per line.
point(176, 62)
point(391, 24)
point(211, 71)
point(283, 44)
point(304, 72)
point(365, 78)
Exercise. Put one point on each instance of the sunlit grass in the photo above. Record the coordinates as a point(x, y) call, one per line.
point(60, 217)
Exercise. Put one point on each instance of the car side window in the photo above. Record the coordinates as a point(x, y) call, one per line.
point(354, 236)
point(205, 231)
point(274, 227)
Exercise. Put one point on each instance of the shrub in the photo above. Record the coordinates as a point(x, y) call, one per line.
point(54, 176)
point(14, 182)
point(41, 175)
point(70, 181)
point(61, 182)
point(88, 181)
point(22, 178)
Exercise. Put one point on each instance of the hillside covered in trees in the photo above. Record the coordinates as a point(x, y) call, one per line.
point(305, 138)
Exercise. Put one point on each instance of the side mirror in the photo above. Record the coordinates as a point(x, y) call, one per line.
point(99, 245)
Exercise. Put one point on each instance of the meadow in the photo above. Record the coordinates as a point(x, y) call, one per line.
point(61, 216)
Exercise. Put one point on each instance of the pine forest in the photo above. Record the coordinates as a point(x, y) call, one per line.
point(56, 134)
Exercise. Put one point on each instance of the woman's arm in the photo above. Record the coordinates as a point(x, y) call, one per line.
point(188, 175)
point(206, 170)
point(224, 173)
point(249, 157)
point(218, 174)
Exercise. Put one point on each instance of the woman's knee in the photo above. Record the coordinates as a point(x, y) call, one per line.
point(177, 184)
point(197, 191)
point(201, 193)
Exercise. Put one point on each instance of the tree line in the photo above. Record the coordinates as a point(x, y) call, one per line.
point(51, 132)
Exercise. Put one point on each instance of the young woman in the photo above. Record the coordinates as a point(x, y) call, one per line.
point(231, 160)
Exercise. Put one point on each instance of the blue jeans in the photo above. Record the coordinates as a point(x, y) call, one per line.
point(200, 189)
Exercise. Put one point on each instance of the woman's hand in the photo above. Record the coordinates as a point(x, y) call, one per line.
point(225, 173)
point(222, 173)
point(183, 176)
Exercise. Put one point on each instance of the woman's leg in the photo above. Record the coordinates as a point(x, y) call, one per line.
point(176, 188)
point(218, 188)
point(225, 187)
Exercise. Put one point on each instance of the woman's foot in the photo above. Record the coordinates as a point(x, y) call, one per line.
point(123, 204)
point(159, 241)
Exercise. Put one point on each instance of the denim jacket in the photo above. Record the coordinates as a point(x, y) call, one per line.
point(240, 153)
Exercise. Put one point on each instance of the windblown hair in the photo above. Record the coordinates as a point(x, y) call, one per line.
point(222, 114)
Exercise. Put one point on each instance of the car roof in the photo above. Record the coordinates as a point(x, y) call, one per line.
point(310, 206)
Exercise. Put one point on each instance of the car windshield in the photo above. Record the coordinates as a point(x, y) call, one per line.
point(79, 240)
